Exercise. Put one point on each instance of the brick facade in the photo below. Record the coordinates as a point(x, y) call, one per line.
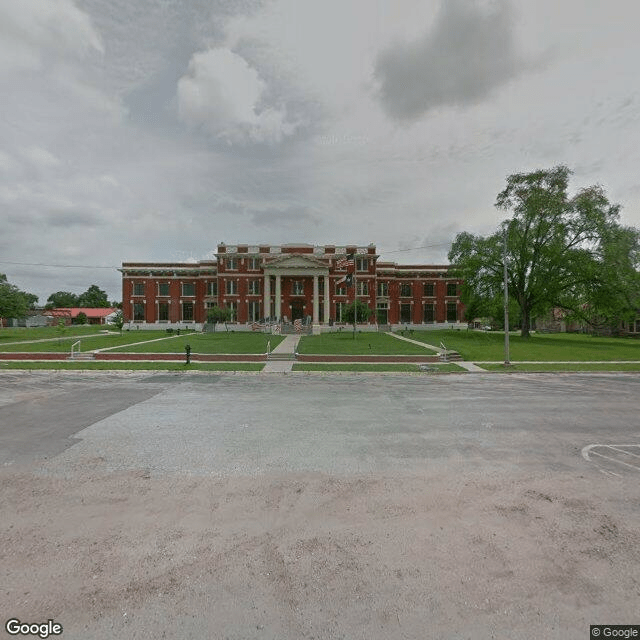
point(289, 282)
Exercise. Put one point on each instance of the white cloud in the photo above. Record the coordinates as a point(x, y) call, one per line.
point(223, 95)
point(36, 32)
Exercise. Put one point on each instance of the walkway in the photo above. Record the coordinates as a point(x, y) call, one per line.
point(286, 349)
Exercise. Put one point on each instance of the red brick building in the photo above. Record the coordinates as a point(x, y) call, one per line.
point(289, 282)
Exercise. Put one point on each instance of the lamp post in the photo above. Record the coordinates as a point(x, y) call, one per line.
point(506, 303)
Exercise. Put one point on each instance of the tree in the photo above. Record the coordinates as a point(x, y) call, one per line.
point(552, 245)
point(81, 318)
point(14, 303)
point(62, 300)
point(93, 298)
point(219, 314)
point(363, 312)
point(118, 320)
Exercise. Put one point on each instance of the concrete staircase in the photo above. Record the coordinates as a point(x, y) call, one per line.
point(85, 356)
point(450, 356)
point(286, 357)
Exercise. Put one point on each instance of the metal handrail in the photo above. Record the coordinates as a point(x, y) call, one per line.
point(73, 345)
point(444, 352)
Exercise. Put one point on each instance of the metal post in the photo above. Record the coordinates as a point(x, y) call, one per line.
point(506, 303)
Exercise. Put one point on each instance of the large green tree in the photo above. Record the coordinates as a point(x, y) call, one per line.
point(14, 303)
point(62, 300)
point(93, 298)
point(555, 245)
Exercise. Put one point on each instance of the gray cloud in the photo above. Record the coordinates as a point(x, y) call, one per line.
point(467, 54)
point(290, 216)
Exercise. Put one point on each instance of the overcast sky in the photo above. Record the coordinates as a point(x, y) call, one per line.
point(152, 130)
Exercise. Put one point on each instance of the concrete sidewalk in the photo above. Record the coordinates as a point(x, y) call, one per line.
point(286, 348)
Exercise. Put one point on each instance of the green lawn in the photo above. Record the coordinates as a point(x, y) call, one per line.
point(63, 344)
point(479, 346)
point(220, 342)
point(361, 366)
point(156, 342)
point(556, 366)
point(138, 366)
point(365, 343)
point(41, 333)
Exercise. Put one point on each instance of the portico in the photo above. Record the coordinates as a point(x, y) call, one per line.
point(292, 273)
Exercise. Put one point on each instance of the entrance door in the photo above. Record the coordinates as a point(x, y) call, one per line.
point(297, 310)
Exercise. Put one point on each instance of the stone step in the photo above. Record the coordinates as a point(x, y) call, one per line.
point(451, 356)
point(281, 356)
point(87, 355)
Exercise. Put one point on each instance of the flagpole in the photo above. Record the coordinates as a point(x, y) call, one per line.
point(355, 297)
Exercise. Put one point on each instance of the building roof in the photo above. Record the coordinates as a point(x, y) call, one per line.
point(73, 312)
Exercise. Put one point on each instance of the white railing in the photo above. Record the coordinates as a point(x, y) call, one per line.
point(73, 346)
point(268, 348)
point(444, 351)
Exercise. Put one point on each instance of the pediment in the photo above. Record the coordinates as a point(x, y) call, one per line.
point(296, 261)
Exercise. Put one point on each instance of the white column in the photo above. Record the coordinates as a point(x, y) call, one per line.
point(327, 301)
point(316, 300)
point(278, 296)
point(267, 296)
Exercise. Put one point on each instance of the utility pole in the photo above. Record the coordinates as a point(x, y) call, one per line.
point(506, 303)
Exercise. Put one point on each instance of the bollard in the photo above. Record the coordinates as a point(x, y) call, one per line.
point(187, 348)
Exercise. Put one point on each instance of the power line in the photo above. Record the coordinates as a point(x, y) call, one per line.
point(56, 266)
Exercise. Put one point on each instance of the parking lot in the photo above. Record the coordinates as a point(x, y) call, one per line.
point(323, 506)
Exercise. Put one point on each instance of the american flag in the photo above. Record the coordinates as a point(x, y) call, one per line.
point(297, 325)
point(348, 261)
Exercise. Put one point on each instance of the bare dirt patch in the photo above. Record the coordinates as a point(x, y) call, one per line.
point(140, 555)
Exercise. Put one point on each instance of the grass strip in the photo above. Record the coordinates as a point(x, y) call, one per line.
point(136, 366)
point(359, 366)
point(563, 366)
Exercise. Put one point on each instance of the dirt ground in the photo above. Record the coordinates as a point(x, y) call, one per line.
point(472, 546)
point(308, 556)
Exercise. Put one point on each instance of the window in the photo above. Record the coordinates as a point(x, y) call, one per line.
point(405, 290)
point(429, 289)
point(254, 311)
point(452, 289)
point(188, 289)
point(383, 289)
point(297, 288)
point(163, 312)
point(363, 288)
point(212, 288)
point(429, 313)
point(138, 288)
point(254, 287)
point(405, 313)
point(339, 310)
point(341, 288)
point(231, 287)
point(163, 288)
point(254, 264)
point(231, 264)
point(187, 312)
point(452, 312)
point(362, 264)
point(233, 307)
point(138, 312)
